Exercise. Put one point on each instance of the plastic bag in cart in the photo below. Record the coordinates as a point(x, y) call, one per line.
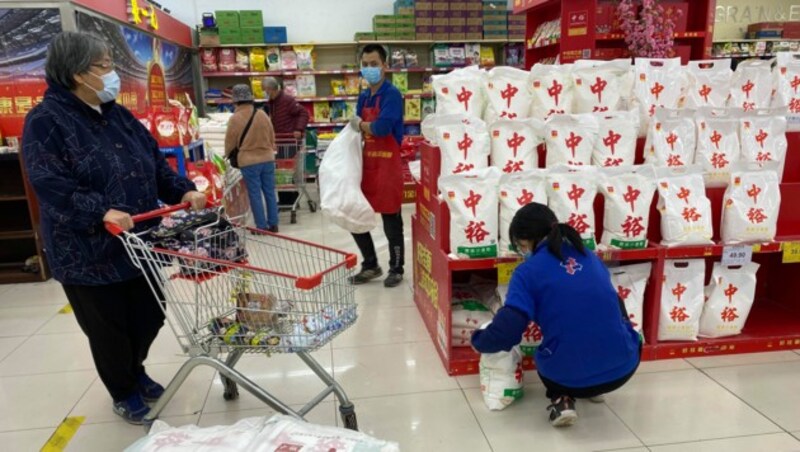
point(501, 378)
point(751, 205)
point(730, 298)
point(682, 299)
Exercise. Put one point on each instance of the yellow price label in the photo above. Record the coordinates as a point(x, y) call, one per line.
point(504, 271)
point(791, 252)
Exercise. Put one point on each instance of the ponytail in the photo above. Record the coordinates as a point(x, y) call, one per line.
point(558, 233)
point(536, 222)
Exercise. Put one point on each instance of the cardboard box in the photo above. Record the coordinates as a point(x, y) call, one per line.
point(474, 21)
point(383, 20)
point(475, 14)
point(410, 28)
point(495, 25)
point(385, 36)
point(426, 13)
point(423, 6)
point(441, 21)
point(230, 36)
point(457, 36)
point(275, 35)
point(473, 36)
point(440, 37)
point(440, 14)
point(474, 29)
point(405, 20)
point(458, 6)
point(474, 6)
point(365, 36)
point(385, 30)
point(424, 29)
point(252, 35)
point(406, 36)
point(495, 11)
point(424, 36)
point(457, 22)
point(227, 19)
point(404, 10)
point(251, 19)
point(209, 37)
point(516, 28)
point(441, 6)
point(458, 14)
point(423, 22)
point(438, 30)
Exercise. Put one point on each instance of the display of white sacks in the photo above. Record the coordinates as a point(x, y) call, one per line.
point(750, 205)
point(571, 192)
point(628, 193)
point(752, 85)
point(570, 139)
point(508, 94)
point(552, 90)
point(431, 122)
point(616, 139)
point(601, 86)
point(787, 81)
point(518, 190)
point(464, 145)
point(501, 378)
point(681, 300)
point(685, 209)
point(461, 91)
point(730, 298)
point(763, 137)
point(658, 83)
point(630, 281)
point(472, 199)
point(709, 83)
point(717, 144)
point(514, 144)
point(671, 138)
point(467, 316)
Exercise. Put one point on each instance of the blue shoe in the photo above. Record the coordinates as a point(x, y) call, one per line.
point(132, 410)
point(149, 389)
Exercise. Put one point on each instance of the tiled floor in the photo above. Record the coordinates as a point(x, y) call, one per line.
point(387, 364)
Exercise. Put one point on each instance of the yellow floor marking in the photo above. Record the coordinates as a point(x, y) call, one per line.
point(67, 309)
point(63, 434)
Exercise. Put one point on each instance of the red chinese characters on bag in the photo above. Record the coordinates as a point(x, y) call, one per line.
point(525, 198)
point(598, 87)
point(578, 222)
point(705, 91)
point(730, 291)
point(756, 215)
point(678, 291)
point(632, 227)
point(465, 145)
point(684, 194)
point(753, 192)
point(674, 160)
point(515, 142)
point(715, 138)
point(611, 141)
point(572, 142)
point(576, 194)
point(631, 196)
point(691, 215)
point(532, 334)
point(472, 201)
point(464, 96)
point(718, 160)
point(678, 314)
point(729, 314)
point(623, 292)
point(475, 232)
point(612, 162)
point(672, 138)
point(513, 166)
point(463, 168)
point(761, 138)
point(508, 94)
point(555, 90)
point(656, 90)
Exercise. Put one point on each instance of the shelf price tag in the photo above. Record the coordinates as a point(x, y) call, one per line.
point(504, 271)
point(791, 252)
point(737, 255)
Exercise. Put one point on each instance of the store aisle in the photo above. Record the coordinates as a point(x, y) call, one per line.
point(389, 367)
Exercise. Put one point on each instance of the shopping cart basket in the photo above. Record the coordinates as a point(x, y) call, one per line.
point(290, 173)
point(227, 290)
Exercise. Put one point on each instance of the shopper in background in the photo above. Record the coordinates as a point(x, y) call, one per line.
point(288, 116)
point(91, 161)
point(380, 119)
point(256, 155)
point(589, 347)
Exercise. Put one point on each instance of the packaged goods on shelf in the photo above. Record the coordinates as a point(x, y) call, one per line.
point(428, 107)
point(658, 83)
point(546, 34)
point(306, 86)
point(516, 191)
point(227, 60)
point(322, 112)
point(671, 138)
point(398, 58)
point(630, 281)
point(685, 209)
point(507, 94)
point(553, 90)
point(750, 206)
point(306, 57)
point(752, 85)
point(242, 60)
point(515, 144)
point(570, 139)
point(601, 86)
point(472, 199)
point(274, 58)
point(258, 59)
point(501, 378)
point(570, 194)
point(463, 140)
point(413, 110)
point(473, 54)
point(460, 91)
point(338, 111)
point(787, 72)
point(351, 109)
point(338, 87)
point(288, 59)
point(616, 140)
point(400, 81)
point(682, 300)
point(427, 83)
point(730, 298)
point(717, 144)
point(208, 60)
point(709, 83)
point(487, 56)
point(412, 59)
point(763, 138)
point(290, 86)
point(515, 54)
point(257, 88)
point(628, 193)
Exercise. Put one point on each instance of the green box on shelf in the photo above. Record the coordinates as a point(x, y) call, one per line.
point(385, 30)
point(251, 19)
point(365, 36)
point(252, 35)
point(230, 36)
point(381, 20)
point(406, 36)
point(404, 20)
point(404, 10)
point(386, 36)
point(227, 19)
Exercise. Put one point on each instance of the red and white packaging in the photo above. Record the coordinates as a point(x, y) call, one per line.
point(681, 300)
point(517, 190)
point(630, 281)
point(671, 139)
point(461, 91)
point(208, 59)
point(165, 126)
point(501, 378)
point(717, 144)
point(750, 206)
point(709, 83)
point(508, 94)
point(464, 147)
point(532, 337)
point(227, 59)
point(552, 89)
point(659, 83)
point(472, 199)
point(571, 192)
point(763, 137)
point(731, 294)
point(787, 82)
point(431, 122)
point(570, 139)
point(628, 193)
point(616, 140)
point(752, 85)
point(600, 85)
point(515, 144)
point(685, 209)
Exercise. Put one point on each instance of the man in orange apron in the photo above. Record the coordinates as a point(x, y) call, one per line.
point(380, 120)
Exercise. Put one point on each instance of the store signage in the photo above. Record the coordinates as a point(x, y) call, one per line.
point(753, 14)
point(141, 12)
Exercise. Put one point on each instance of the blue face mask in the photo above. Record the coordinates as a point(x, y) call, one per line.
point(371, 74)
point(111, 86)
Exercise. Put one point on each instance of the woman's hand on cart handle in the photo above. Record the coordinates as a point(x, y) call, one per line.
point(197, 200)
point(117, 221)
point(116, 229)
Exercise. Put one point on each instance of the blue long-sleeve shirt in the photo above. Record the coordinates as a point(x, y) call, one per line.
point(81, 163)
point(390, 120)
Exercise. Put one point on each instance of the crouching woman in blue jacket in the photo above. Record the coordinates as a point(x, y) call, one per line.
point(589, 346)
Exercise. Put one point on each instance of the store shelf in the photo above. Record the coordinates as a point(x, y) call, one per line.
point(9, 156)
point(552, 45)
point(358, 43)
point(621, 36)
point(280, 73)
point(9, 198)
point(722, 41)
point(689, 252)
point(10, 273)
point(13, 235)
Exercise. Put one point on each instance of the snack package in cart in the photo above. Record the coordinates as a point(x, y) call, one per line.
point(659, 83)
point(472, 199)
point(752, 85)
point(501, 378)
point(717, 144)
point(630, 281)
point(628, 193)
point(682, 300)
point(507, 93)
point(570, 139)
point(570, 194)
point(763, 137)
point(461, 91)
point(515, 144)
point(552, 90)
point(600, 86)
point(616, 139)
point(709, 83)
point(787, 82)
point(731, 295)
point(464, 147)
point(671, 139)
point(685, 209)
point(518, 190)
point(750, 206)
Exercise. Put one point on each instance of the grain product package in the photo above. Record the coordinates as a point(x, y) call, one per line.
point(570, 139)
point(472, 199)
point(288, 59)
point(709, 83)
point(434, 120)
point(750, 205)
point(681, 300)
point(306, 86)
point(515, 144)
point(274, 59)
point(507, 93)
point(258, 59)
point(630, 281)
point(306, 57)
point(659, 83)
point(763, 137)
point(730, 298)
point(787, 82)
point(227, 60)
point(242, 60)
point(628, 193)
point(518, 190)
point(570, 194)
point(616, 139)
point(208, 59)
point(685, 209)
point(501, 378)
point(600, 86)
point(464, 146)
point(468, 314)
point(552, 90)
point(532, 337)
point(671, 139)
point(717, 144)
point(461, 91)
point(752, 85)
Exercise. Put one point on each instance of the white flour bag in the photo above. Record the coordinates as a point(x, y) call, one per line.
point(570, 139)
point(472, 199)
point(460, 91)
point(431, 122)
point(750, 206)
point(671, 139)
point(709, 83)
point(659, 83)
point(532, 337)
point(717, 144)
point(518, 190)
point(628, 192)
point(732, 291)
point(787, 80)
point(752, 85)
point(464, 146)
point(685, 209)
point(571, 192)
point(552, 89)
point(631, 282)
point(763, 138)
point(501, 378)
point(508, 94)
point(616, 140)
point(681, 300)
point(600, 85)
point(515, 144)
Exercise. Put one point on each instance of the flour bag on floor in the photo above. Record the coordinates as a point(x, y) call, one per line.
point(750, 206)
point(659, 83)
point(600, 85)
point(461, 91)
point(508, 94)
point(671, 139)
point(685, 209)
point(501, 378)
point(717, 144)
point(681, 300)
point(763, 138)
point(709, 83)
point(552, 90)
point(464, 146)
point(570, 139)
point(472, 199)
point(515, 144)
point(732, 291)
point(571, 192)
point(518, 190)
point(628, 193)
point(630, 281)
point(616, 140)
point(752, 85)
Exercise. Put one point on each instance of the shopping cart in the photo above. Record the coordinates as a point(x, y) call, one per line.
point(227, 290)
point(290, 173)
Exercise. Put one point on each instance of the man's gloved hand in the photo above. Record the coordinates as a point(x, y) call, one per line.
point(355, 123)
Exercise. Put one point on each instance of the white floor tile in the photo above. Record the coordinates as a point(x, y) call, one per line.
point(663, 365)
point(9, 344)
point(629, 449)
point(24, 321)
point(49, 353)
point(374, 295)
point(530, 377)
point(773, 442)
point(743, 359)
point(40, 401)
point(61, 323)
point(166, 349)
point(324, 414)
point(385, 326)
point(25, 440)
point(772, 389)
point(115, 435)
point(796, 434)
point(680, 406)
point(34, 294)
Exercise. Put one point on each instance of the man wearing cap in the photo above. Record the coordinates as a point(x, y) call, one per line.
point(288, 116)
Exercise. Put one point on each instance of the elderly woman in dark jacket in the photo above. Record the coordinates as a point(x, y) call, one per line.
point(90, 161)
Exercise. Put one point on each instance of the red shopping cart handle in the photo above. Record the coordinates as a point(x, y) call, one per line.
point(115, 230)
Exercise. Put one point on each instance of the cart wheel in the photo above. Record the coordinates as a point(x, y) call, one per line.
point(312, 206)
point(348, 414)
point(294, 217)
point(231, 390)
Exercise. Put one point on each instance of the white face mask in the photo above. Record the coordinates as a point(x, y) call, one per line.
point(111, 86)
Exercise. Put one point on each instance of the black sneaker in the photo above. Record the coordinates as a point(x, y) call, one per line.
point(562, 412)
point(150, 390)
point(366, 275)
point(132, 410)
point(393, 280)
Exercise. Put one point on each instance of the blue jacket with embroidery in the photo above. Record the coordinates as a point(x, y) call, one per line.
point(81, 164)
point(586, 339)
